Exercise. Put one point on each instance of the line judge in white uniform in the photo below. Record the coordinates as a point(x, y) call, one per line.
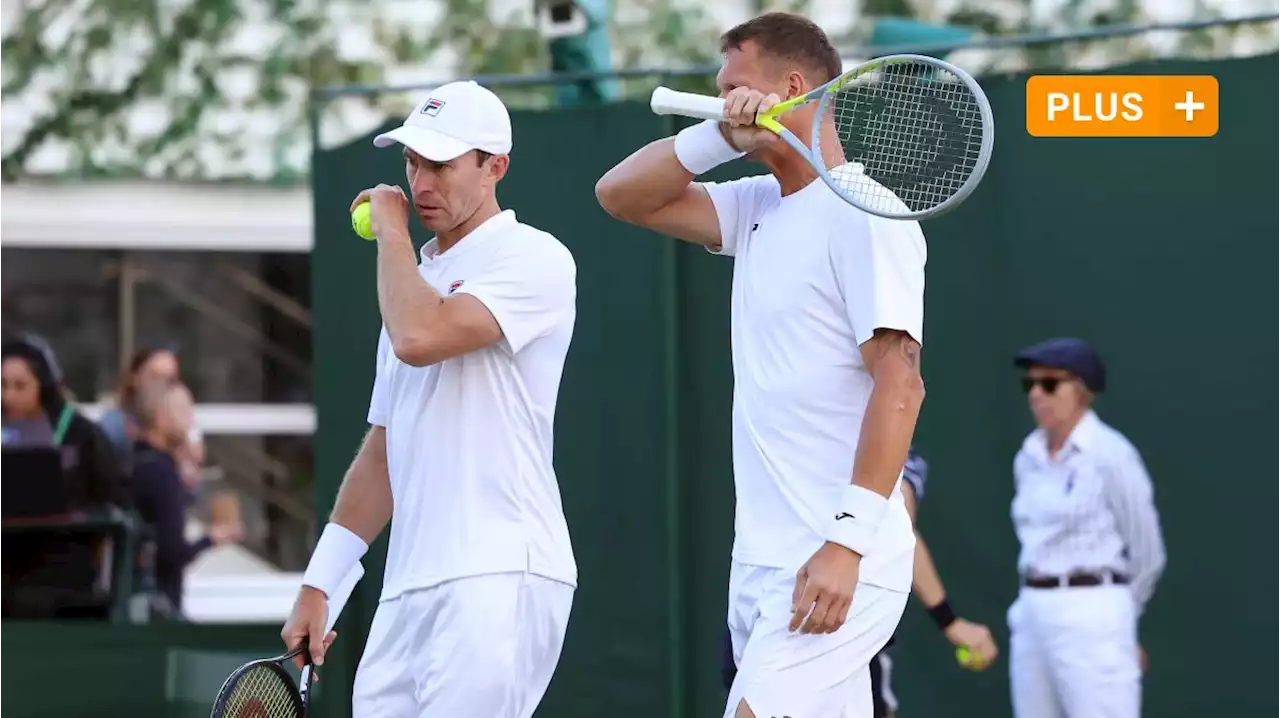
point(480, 574)
point(1091, 548)
point(827, 310)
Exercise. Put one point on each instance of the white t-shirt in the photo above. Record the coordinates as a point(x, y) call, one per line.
point(469, 440)
point(813, 278)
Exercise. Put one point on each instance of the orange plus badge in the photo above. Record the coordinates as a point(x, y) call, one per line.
point(1122, 106)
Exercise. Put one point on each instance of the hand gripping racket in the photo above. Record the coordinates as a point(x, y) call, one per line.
point(263, 688)
point(917, 133)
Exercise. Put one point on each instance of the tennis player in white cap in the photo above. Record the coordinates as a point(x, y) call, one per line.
point(480, 574)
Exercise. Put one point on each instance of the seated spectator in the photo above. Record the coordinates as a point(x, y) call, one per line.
point(164, 413)
point(44, 574)
point(36, 413)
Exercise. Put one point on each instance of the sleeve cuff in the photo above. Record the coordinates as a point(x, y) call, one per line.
point(726, 216)
point(514, 336)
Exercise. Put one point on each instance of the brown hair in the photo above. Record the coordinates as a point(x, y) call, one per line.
point(791, 38)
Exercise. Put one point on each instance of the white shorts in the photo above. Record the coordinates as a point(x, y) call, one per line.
point(781, 673)
point(476, 646)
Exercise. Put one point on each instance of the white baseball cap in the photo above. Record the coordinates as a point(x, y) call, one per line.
point(454, 119)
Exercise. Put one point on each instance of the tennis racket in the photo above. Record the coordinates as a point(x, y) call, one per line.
point(916, 133)
point(263, 688)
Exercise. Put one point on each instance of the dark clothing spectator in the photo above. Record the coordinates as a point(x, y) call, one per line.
point(94, 478)
point(162, 500)
point(50, 575)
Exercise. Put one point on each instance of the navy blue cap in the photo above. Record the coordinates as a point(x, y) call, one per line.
point(1068, 353)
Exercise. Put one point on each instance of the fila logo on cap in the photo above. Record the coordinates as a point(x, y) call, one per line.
point(433, 106)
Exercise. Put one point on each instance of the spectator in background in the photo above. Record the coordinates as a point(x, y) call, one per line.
point(119, 422)
point(54, 575)
point(1091, 546)
point(37, 413)
point(147, 364)
point(164, 413)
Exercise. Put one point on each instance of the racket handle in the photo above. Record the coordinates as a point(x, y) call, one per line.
point(337, 602)
point(666, 101)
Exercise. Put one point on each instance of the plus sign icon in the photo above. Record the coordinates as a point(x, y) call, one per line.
point(1190, 106)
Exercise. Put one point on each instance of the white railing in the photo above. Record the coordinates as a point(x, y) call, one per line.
point(242, 419)
point(248, 598)
point(157, 216)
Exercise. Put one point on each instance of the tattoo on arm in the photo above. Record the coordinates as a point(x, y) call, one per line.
point(907, 349)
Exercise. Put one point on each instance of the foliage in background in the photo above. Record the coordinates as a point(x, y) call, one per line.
point(1031, 18)
point(218, 89)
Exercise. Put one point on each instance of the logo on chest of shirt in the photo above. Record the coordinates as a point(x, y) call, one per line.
point(755, 226)
point(455, 286)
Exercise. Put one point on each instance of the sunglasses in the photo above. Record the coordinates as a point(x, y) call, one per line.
point(1048, 384)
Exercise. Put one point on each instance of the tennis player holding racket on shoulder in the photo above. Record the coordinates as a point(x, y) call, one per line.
point(827, 308)
point(480, 572)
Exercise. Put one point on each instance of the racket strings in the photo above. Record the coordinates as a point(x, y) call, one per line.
point(260, 692)
point(915, 128)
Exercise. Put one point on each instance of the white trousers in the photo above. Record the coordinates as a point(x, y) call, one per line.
point(781, 673)
point(1073, 653)
point(482, 646)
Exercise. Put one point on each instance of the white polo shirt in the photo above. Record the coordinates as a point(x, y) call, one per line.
point(1090, 508)
point(813, 277)
point(469, 440)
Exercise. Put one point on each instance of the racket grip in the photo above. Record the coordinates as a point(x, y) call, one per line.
point(337, 602)
point(666, 101)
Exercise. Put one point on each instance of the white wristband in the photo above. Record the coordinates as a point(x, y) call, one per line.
point(701, 147)
point(857, 519)
point(337, 551)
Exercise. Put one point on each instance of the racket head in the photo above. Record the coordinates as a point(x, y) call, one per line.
point(918, 133)
point(260, 689)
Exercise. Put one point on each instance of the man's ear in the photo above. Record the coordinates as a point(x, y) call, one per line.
point(797, 85)
point(498, 166)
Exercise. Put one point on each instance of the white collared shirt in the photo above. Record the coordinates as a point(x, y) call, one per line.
point(1088, 509)
point(469, 440)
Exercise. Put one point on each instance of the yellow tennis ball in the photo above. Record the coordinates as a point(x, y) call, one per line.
point(362, 220)
point(965, 658)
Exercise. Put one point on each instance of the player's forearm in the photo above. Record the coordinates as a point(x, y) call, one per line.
point(406, 301)
point(364, 499)
point(893, 358)
point(925, 581)
point(651, 178)
point(362, 509)
point(887, 428)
